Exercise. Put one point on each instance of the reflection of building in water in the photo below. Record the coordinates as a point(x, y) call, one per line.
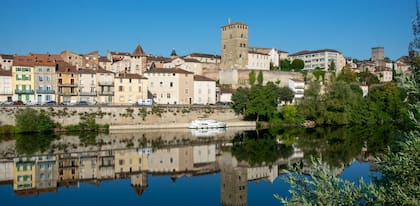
point(139, 183)
point(106, 163)
point(269, 173)
point(46, 173)
point(234, 183)
point(68, 169)
point(171, 160)
point(204, 153)
point(6, 171)
point(88, 166)
point(24, 177)
point(129, 161)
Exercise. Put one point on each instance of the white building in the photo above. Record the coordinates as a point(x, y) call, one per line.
point(298, 87)
point(187, 64)
point(87, 86)
point(6, 92)
point(171, 86)
point(204, 90)
point(6, 61)
point(320, 58)
point(258, 60)
point(384, 74)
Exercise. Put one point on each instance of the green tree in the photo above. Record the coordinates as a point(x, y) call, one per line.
point(319, 72)
point(286, 94)
point(239, 99)
point(260, 78)
point(297, 65)
point(30, 120)
point(368, 78)
point(252, 77)
point(285, 65)
point(332, 66)
point(347, 75)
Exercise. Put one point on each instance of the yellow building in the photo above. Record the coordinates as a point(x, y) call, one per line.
point(23, 83)
point(129, 88)
point(130, 161)
point(67, 79)
point(24, 177)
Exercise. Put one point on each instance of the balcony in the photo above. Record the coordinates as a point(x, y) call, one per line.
point(44, 91)
point(87, 93)
point(66, 85)
point(106, 83)
point(67, 93)
point(26, 91)
point(106, 93)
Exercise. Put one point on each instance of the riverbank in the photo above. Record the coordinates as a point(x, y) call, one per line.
point(134, 127)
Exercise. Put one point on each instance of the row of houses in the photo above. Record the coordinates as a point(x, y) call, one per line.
point(39, 78)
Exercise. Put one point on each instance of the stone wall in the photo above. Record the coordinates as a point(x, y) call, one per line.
point(127, 115)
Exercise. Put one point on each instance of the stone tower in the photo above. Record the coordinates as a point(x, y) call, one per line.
point(377, 54)
point(234, 46)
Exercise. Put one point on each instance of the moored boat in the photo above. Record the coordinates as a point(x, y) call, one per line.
point(206, 123)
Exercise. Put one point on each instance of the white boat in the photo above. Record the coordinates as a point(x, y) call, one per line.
point(210, 132)
point(206, 123)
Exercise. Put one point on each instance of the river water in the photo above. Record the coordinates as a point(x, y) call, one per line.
point(177, 167)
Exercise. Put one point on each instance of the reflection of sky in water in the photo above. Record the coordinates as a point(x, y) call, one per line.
point(198, 190)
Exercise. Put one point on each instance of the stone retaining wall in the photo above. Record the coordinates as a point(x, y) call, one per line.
point(158, 115)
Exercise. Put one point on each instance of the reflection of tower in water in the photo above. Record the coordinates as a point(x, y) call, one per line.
point(234, 181)
point(139, 183)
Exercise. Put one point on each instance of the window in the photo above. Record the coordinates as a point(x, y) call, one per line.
point(186, 91)
point(161, 84)
point(130, 89)
point(168, 95)
point(121, 88)
point(139, 88)
point(171, 84)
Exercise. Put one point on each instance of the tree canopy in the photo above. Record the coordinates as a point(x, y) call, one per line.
point(297, 65)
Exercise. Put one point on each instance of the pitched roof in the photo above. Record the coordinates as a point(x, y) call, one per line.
point(87, 71)
point(202, 78)
point(120, 53)
point(382, 69)
point(46, 59)
point(138, 51)
point(5, 72)
point(130, 76)
point(102, 70)
point(171, 70)
point(23, 61)
point(314, 51)
point(6, 56)
point(204, 55)
point(191, 60)
point(103, 59)
point(65, 67)
point(252, 51)
point(157, 58)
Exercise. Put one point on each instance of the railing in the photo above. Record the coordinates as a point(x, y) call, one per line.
point(67, 93)
point(26, 91)
point(106, 93)
point(44, 91)
point(67, 85)
point(105, 83)
point(87, 93)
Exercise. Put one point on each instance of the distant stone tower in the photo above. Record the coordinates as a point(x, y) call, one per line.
point(377, 54)
point(234, 46)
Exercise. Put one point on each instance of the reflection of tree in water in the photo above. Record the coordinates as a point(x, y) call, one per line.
point(258, 148)
point(339, 146)
point(32, 143)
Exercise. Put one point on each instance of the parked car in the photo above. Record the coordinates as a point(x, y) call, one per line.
point(51, 103)
point(7, 103)
point(82, 103)
point(18, 102)
point(67, 103)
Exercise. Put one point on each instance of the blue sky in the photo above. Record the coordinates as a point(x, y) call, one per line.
point(350, 26)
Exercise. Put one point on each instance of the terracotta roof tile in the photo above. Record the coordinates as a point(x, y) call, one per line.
point(314, 51)
point(202, 78)
point(130, 76)
point(5, 72)
point(172, 70)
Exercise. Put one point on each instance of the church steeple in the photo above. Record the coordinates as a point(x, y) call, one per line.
point(138, 51)
point(173, 53)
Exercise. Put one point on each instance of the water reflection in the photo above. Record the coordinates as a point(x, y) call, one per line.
point(240, 157)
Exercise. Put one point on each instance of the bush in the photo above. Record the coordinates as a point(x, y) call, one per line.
point(30, 120)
